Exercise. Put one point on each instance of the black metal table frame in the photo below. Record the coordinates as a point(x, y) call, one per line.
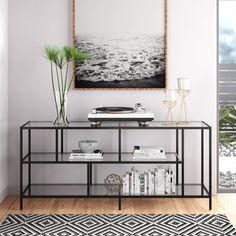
point(26, 159)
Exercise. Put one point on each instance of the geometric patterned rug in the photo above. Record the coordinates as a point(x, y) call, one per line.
point(116, 225)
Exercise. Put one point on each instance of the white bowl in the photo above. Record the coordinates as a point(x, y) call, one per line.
point(88, 146)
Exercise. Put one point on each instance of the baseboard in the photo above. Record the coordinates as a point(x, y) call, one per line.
point(3, 194)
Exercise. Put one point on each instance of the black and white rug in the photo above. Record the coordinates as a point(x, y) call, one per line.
point(116, 225)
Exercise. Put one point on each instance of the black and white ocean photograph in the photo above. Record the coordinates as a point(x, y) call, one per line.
point(125, 50)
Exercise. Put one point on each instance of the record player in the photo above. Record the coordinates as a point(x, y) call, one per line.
point(139, 114)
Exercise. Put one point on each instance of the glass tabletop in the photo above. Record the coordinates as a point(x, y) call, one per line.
point(71, 125)
point(163, 124)
point(115, 125)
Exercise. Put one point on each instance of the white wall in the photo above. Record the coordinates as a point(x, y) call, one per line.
point(3, 99)
point(191, 53)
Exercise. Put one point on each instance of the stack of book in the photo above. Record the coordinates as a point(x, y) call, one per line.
point(78, 155)
point(148, 152)
point(156, 182)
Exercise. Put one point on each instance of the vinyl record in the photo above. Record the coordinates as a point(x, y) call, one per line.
point(115, 110)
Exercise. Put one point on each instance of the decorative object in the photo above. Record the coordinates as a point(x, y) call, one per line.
point(61, 60)
point(183, 83)
point(183, 116)
point(149, 152)
point(78, 155)
point(126, 52)
point(139, 114)
point(169, 116)
point(113, 183)
point(88, 146)
point(170, 103)
point(170, 95)
point(117, 224)
point(183, 91)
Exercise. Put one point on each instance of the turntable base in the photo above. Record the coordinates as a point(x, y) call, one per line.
point(119, 114)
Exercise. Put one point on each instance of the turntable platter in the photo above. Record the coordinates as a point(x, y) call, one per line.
point(115, 110)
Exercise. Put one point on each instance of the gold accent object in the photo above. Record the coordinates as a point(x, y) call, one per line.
point(169, 116)
point(183, 114)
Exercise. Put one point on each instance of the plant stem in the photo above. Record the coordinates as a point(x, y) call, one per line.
point(53, 88)
point(62, 84)
point(68, 89)
point(58, 83)
point(62, 108)
point(66, 76)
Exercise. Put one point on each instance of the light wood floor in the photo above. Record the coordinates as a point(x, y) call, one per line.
point(224, 204)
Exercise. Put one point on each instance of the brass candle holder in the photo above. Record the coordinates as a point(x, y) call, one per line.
point(183, 114)
point(169, 116)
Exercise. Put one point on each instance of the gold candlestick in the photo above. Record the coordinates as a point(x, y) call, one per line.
point(183, 117)
point(169, 116)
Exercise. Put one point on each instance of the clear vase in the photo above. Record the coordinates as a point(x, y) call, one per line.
point(61, 109)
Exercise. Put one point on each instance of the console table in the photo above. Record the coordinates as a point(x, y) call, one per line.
point(89, 190)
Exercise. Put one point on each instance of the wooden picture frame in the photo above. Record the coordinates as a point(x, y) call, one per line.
point(108, 66)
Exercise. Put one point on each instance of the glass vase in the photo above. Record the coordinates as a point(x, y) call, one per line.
point(61, 109)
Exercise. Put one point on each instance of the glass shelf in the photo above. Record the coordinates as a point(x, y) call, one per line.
point(99, 190)
point(115, 125)
point(71, 125)
point(56, 190)
point(189, 190)
point(126, 158)
point(163, 125)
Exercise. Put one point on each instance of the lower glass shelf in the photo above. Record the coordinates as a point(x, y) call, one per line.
point(100, 190)
point(109, 158)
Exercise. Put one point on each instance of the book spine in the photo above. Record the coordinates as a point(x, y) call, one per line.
point(86, 154)
point(142, 184)
point(152, 183)
point(132, 181)
point(173, 183)
point(124, 187)
point(137, 183)
point(149, 181)
point(161, 182)
point(167, 190)
point(156, 181)
point(148, 151)
point(148, 155)
point(75, 156)
point(145, 183)
point(127, 183)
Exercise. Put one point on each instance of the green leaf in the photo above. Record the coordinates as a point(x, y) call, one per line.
point(79, 56)
point(67, 50)
point(51, 53)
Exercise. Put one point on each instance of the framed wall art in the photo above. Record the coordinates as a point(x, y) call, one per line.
point(126, 43)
